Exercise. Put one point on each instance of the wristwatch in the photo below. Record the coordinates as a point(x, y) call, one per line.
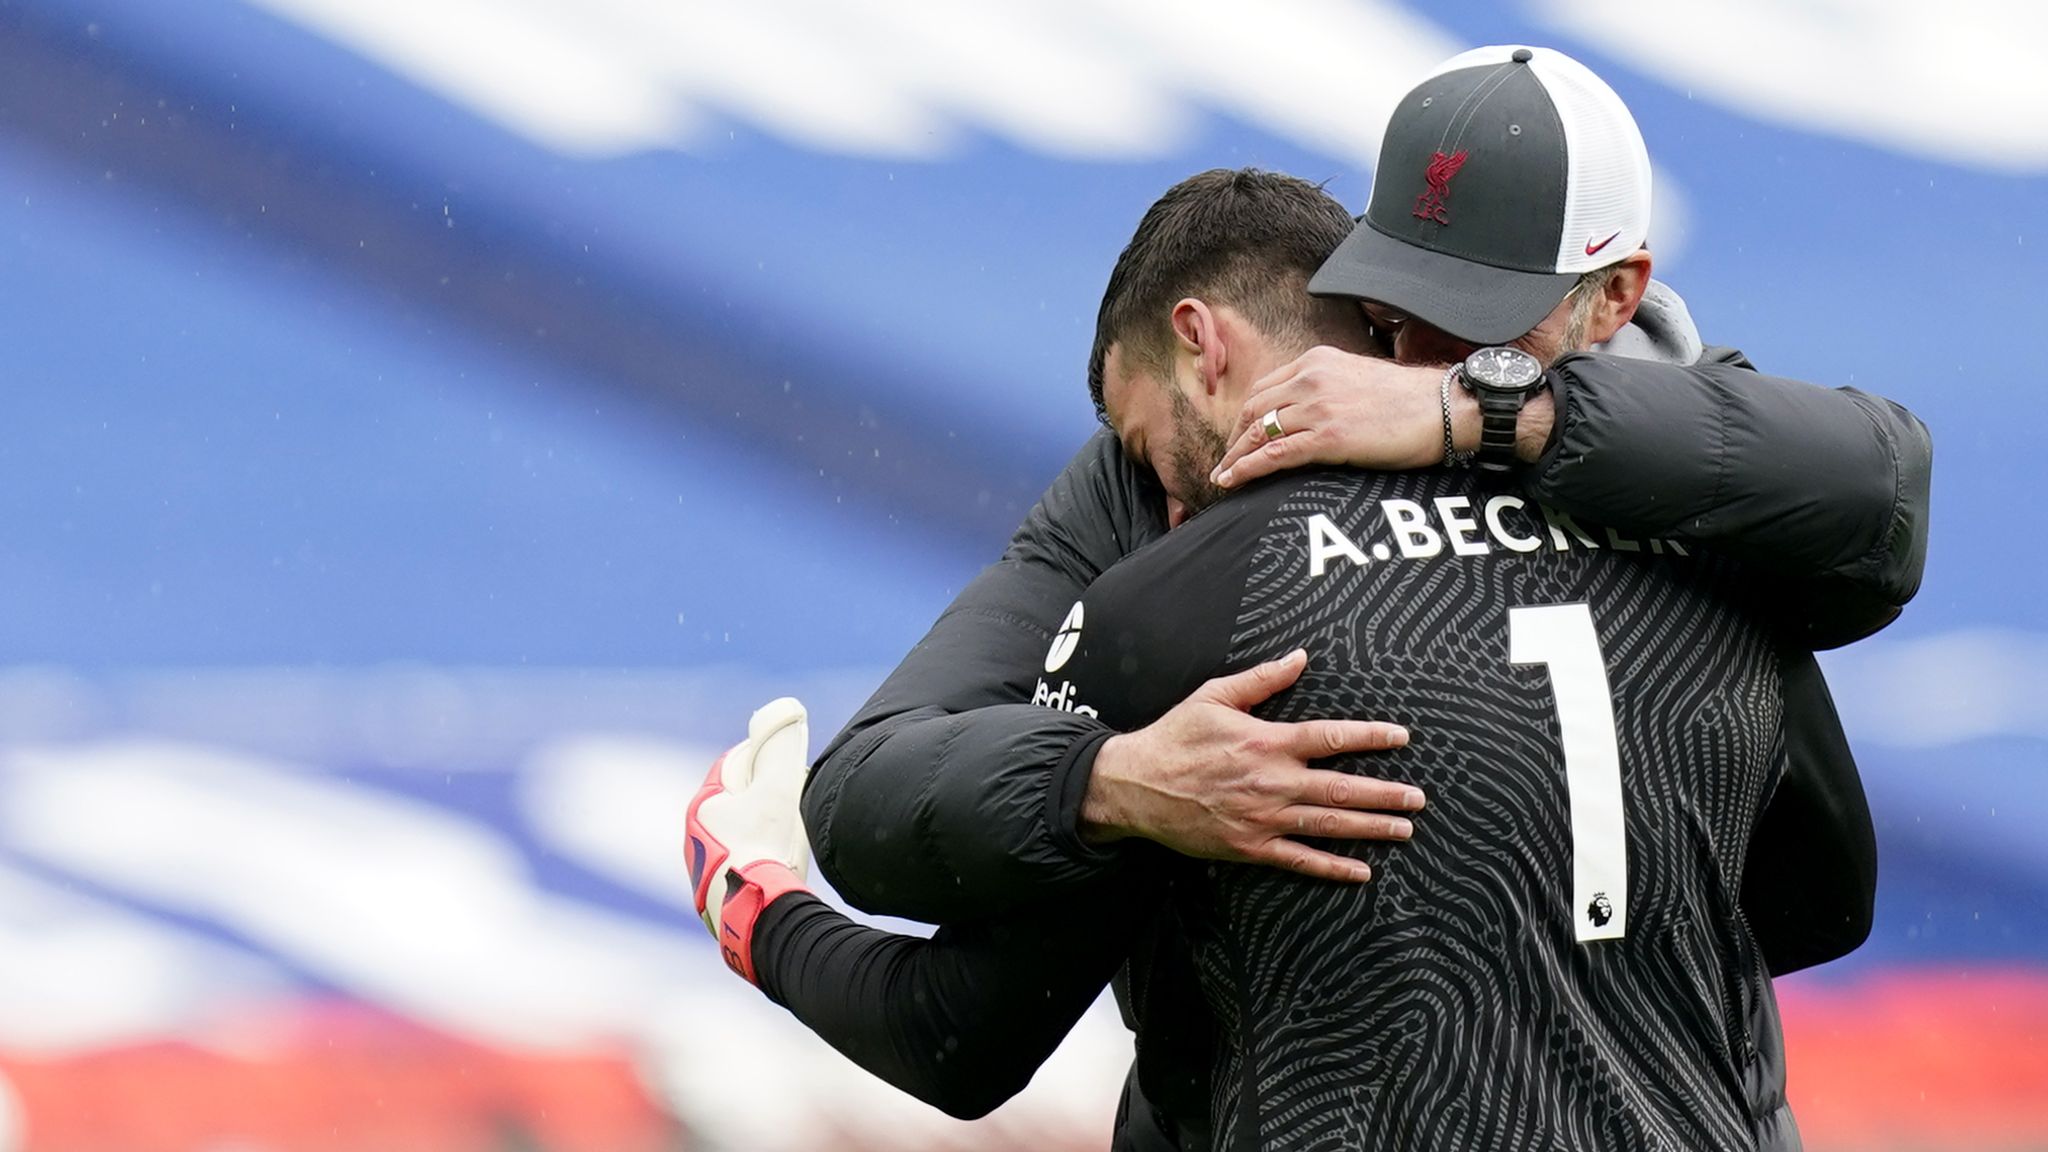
point(1502, 379)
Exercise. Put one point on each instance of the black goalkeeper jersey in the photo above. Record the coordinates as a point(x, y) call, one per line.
point(949, 799)
point(1557, 959)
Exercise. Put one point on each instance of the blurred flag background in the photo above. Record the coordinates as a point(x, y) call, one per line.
point(428, 427)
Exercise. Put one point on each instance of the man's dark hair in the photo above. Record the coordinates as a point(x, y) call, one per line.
point(1241, 237)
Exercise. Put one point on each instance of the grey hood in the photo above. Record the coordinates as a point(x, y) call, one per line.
point(1662, 330)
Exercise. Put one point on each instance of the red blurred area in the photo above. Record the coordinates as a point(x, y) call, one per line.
point(343, 1081)
point(1920, 1060)
point(1954, 1059)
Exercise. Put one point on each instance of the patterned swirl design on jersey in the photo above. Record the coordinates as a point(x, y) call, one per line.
point(1447, 1004)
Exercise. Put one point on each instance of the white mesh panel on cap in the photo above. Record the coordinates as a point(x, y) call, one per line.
point(1474, 57)
point(1607, 191)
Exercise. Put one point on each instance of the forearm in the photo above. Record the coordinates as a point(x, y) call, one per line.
point(942, 798)
point(961, 1021)
point(941, 817)
point(1826, 488)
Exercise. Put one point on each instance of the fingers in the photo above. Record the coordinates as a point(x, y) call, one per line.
point(777, 749)
point(1340, 824)
point(1315, 739)
point(1290, 451)
point(1291, 390)
point(1247, 442)
point(1254, 685)
point(1323, 788)
point(783, 760)
point(774, 716)
point(734, 768)
point(1267, 393)
point(1313, 435)
point(1295, 856)
point(1289, 397)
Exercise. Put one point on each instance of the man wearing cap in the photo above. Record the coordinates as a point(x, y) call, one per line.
point(1512, 205)
point(1554, 939)
point(943, 801)
point(1527, 172)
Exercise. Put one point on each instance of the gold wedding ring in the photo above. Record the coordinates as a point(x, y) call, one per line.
point(1271, 422)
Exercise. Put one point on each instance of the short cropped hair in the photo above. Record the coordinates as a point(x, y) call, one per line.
point(1242, 237)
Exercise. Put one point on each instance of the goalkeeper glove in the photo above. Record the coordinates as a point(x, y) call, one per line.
point(746, 836)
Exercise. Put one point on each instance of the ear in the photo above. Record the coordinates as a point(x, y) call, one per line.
point(1624, 292)
point(1200, 337)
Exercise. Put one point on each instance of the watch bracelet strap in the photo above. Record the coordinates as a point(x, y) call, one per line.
point(1452, 457)
point(1497, 423)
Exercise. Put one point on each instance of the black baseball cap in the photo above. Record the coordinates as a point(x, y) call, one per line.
point(1503, 176)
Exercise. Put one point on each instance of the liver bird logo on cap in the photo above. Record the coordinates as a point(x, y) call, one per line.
point(1430, 204)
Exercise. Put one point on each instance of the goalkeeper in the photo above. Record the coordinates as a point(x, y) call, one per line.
point(961, 1020)
point(949, 799)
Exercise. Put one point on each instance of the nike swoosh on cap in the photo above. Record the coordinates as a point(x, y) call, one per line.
point(1593, 249)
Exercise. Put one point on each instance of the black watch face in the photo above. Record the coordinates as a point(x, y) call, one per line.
point(1503, 369)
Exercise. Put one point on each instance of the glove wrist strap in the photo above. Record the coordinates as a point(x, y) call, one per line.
point(750, 889)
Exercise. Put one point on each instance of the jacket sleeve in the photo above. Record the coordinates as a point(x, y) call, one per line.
point(950, 795)
point(1827, 488)
point(1809, 885)
point(963, 1020)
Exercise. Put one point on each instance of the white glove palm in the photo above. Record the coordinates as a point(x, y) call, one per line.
point(746, 834)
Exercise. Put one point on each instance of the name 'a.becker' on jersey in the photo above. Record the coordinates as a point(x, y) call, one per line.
point(1555, 960)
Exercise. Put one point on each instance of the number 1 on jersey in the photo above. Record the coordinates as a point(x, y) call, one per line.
point(1561, 637)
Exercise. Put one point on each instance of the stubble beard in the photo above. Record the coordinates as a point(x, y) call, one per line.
point(1198, 448)
point(1576, 326)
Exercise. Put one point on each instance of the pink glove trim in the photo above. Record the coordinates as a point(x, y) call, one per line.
point(750, 891)
point(707, 852)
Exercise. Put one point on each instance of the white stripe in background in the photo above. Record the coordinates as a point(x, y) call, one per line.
point(1325, 74)
point(426, 912)
point(1119, 80)
point(762, 63)
point(1942, 689)
point(1961, 81)
point(455, 718)
point(77, 973)
point(433, 916)
point(535, 68)
point(1073, 79)
point(995, 67)
point(616, 804)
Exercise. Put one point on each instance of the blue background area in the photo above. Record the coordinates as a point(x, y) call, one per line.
point(305, 365)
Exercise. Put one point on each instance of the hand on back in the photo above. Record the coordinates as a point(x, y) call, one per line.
point(1210, 780)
